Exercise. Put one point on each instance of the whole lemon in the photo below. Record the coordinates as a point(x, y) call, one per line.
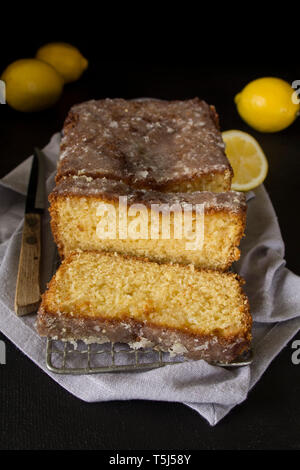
point(266, 104)
point(31, 85)
point(66, 59)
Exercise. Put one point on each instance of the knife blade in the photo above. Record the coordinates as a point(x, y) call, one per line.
point(28, 292)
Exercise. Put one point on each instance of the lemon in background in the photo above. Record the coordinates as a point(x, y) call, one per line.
point(66, 59)
point(266, 104)
point(31, 85)
point(249, 163)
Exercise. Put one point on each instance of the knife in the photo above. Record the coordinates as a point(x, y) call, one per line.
point(28, 292)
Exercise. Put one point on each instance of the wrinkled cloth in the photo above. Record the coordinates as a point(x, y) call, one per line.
point(212, 391)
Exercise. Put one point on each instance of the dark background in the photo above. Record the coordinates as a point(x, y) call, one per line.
point(35, 412)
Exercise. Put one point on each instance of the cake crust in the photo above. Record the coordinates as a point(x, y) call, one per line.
point(110, 190)
point(212, 348)
point(163, 145)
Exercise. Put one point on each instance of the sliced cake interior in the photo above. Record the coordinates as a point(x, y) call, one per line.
point(210, 241)
point(108, 297)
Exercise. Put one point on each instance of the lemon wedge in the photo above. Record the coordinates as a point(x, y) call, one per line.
point(249, 163)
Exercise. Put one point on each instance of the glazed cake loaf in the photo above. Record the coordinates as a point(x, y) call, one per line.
point(106, 297)
point(172, 146)
point(210, 242)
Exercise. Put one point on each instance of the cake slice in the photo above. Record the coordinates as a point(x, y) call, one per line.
point(172, 146)
point(164, 233)
point(108, 297)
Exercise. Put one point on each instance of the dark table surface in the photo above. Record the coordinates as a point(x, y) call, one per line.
point(36, 413)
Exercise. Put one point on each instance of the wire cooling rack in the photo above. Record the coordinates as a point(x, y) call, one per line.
point(80, 358)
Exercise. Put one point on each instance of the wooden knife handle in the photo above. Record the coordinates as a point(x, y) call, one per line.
point(28, 292)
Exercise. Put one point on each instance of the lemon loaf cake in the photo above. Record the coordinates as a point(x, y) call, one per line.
point(102, 297)
point(164, 145)
point(202, 227)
